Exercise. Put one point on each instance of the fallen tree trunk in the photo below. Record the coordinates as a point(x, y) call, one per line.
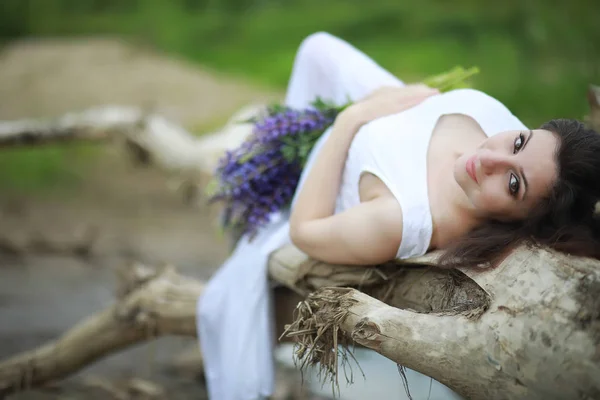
point(148, 138)
point(527, 329)
point(171, 146)
point(151, 304)
point(539, 337)
point(414, 285)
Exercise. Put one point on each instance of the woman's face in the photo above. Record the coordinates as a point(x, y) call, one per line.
point(509, 173)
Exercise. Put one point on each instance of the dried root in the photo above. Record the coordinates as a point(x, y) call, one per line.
point(319, 338)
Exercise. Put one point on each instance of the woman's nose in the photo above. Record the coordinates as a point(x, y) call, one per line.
point(493, 160)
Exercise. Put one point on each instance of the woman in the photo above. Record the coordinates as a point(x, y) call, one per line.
point(403, 171)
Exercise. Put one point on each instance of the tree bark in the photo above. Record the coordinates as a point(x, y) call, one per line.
point(413, 285)
point(149, 304)
point(539, 337)
point(529, 328)
point(152, 304)
point(148, 138)
point(167, 143)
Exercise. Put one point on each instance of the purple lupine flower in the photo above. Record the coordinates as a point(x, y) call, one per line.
point(257, 179)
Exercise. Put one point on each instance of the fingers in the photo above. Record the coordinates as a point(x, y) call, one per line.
point(388, 100)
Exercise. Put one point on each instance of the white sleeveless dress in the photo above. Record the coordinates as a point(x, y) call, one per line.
point(235, 322)
point(394, 149)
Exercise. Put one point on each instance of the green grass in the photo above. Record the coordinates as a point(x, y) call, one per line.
point(537, 57)
point(46, 168)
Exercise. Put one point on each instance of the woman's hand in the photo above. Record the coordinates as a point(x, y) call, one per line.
point(386, 101)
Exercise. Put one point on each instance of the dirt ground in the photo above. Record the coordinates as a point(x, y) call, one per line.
point(134, 213)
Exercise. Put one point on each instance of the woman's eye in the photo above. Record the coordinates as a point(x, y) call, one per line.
point(513, 185)
point(519, 143)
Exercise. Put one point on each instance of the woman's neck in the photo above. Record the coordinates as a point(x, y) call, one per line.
point(453, 214)
point(452, 211)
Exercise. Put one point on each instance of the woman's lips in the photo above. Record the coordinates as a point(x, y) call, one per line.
point(471, 168)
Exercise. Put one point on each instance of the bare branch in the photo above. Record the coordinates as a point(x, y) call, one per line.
point(162, 305)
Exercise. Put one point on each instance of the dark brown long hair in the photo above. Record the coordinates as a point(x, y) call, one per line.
point(565, 220)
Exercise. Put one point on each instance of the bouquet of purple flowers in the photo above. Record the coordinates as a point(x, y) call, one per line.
point(259, 178)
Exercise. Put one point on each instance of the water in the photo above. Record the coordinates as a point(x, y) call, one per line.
point(382, 380)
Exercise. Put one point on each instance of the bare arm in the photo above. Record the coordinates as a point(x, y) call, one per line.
point(317, 196)
point(368, 233)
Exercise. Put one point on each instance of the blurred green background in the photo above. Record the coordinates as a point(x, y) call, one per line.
point(535, 56)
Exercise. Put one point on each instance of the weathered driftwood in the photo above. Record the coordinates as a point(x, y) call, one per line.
point(528, 329)
point(158, 138)
point(534, 335)
point(148, 137)
point(150, 304)
point(408, 285)
point(129, 389)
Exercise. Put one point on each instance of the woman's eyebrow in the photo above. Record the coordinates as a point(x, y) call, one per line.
point(528, 139)
point(526, 186)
